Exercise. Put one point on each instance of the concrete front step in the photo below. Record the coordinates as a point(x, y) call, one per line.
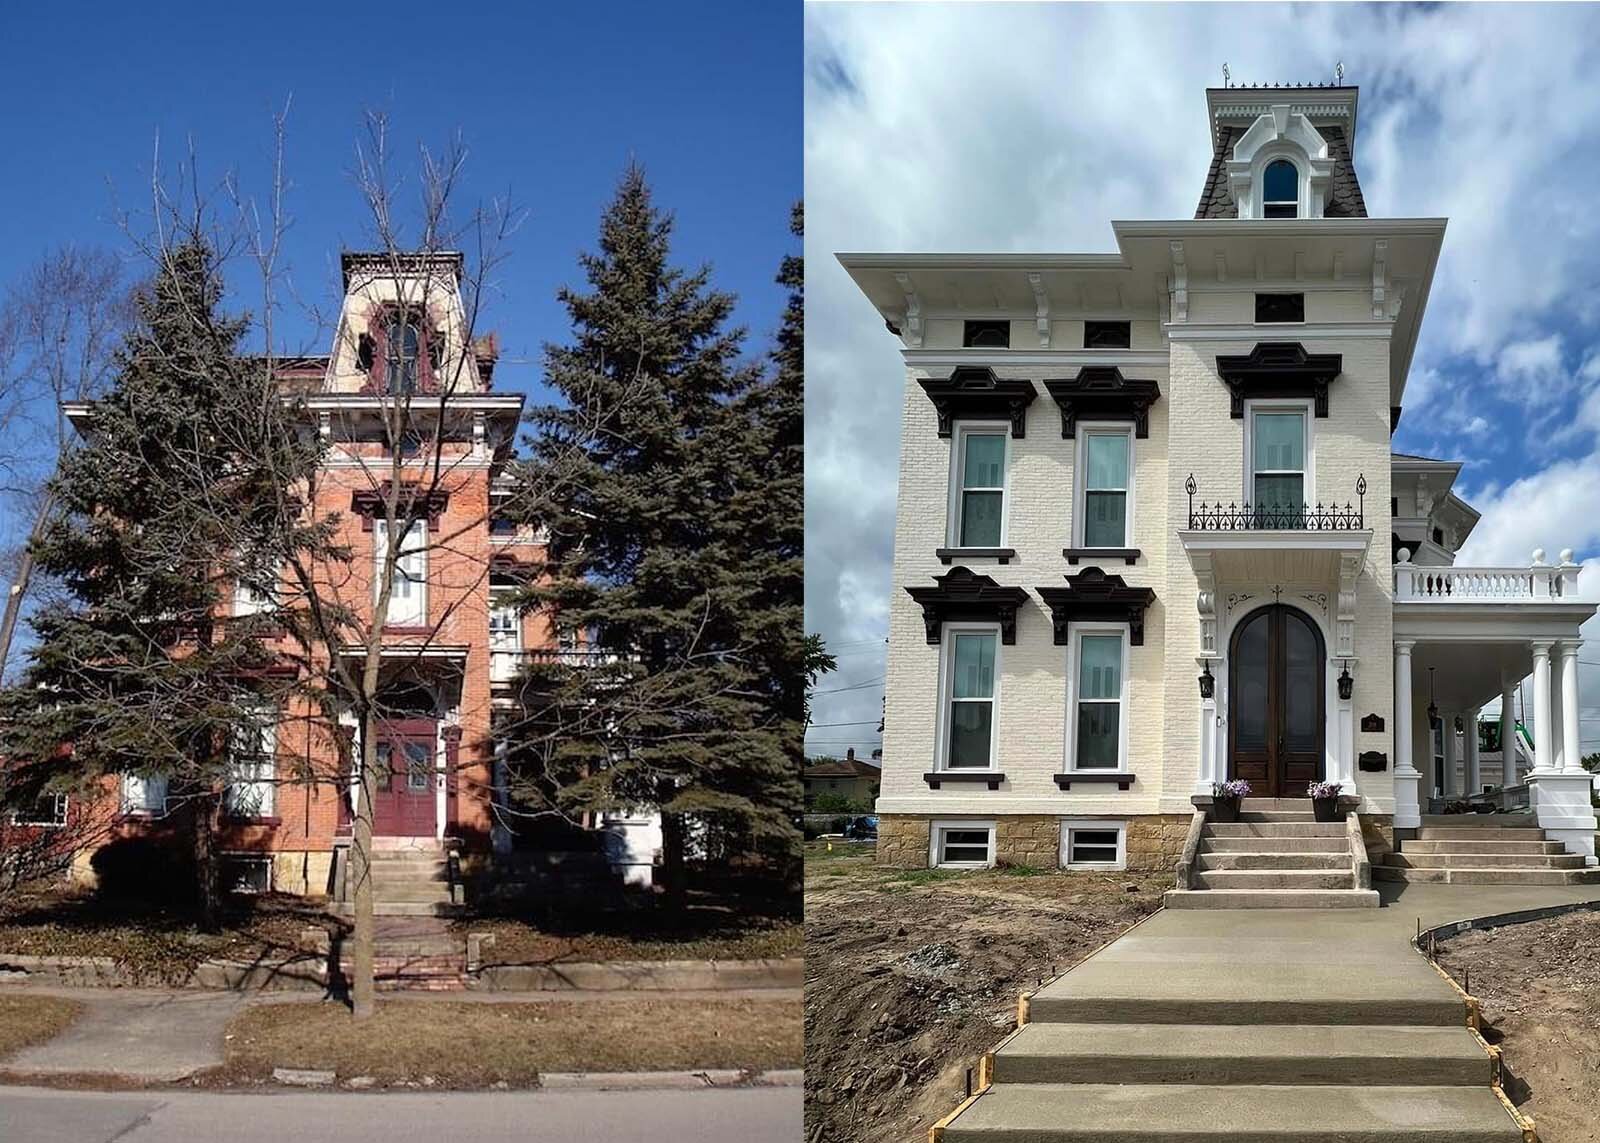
point(1479, 833)
point(1521, 876)
point(1274, 844)
point(402, 909)
point(1481, 821)
point(1357, 1054)
point(1410, 846)
point(1099, 1113)
point(1279, 878)
point(1410, 860)
point(1276, 816)
point(1275, 829)
point(1270, 898)
point(1280, 998)
point(1266, 859)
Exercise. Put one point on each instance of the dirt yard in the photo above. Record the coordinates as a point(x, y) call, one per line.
point(911, 975)
point(27, 1020)
point(698, 935)
point(445, 1044)
point(1540, 987)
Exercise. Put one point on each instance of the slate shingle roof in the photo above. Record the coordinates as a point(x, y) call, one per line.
point(1344, 193)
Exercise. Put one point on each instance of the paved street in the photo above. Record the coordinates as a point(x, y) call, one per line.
point(744, 1115)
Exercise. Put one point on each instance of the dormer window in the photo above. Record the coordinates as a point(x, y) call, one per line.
point(402, 343)
point(1280, 190)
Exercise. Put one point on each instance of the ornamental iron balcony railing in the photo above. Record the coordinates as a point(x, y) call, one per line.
point(1247, 517)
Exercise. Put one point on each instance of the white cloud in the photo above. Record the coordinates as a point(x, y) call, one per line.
point(1030, 127)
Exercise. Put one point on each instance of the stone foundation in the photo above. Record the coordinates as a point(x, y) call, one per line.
point(1154, 841)
point(1377, 831)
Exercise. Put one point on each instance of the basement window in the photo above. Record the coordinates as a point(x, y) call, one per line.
point(1107, 334)
point(49, 811)
point(962, 845)
point(247, 874)
point(1280, 308)
point(986, 334)
point(1093, 845)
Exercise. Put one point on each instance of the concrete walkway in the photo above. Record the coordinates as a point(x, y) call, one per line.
point(1258, 1024)
point(156, 1036)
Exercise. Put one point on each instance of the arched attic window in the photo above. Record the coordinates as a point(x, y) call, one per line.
point(1280, 190)
point(401, 345)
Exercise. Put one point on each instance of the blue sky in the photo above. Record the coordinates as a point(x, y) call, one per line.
point(552, 101)
point(1030, 127)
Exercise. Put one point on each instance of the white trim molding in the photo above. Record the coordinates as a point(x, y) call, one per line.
point(1069, 826)
point(1074, 669)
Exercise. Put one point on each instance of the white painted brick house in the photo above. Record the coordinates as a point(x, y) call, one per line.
point(1152, 535)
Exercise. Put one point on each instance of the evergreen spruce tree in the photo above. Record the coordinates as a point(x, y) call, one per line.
point(651, 479)
point(170, 500)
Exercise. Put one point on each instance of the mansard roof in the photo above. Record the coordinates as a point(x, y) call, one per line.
point(1344, 191)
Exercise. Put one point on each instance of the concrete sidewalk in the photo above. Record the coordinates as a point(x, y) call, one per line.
point(155, 1036)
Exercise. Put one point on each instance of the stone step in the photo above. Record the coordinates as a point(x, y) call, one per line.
point(1412, 846)
point(402, 909)
point(1256, 859)
point(1275, 829)
point(387, 880)
point(1274, 844)
point(1270, 898)
point(1520, 876)
point(1101, 1113)
point(1243, 1054)
point(1277, 879)
point(1275, 816)
point(1264, 993)
point(1409, 860)
point(1481, 821)
point(1479, 833)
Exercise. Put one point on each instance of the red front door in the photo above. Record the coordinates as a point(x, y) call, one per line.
point(404, 805)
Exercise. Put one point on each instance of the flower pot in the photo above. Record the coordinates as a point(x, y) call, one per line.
point(1225, 809)
point(1326, 810)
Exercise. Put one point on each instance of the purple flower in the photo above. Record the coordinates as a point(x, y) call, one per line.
point(1237, 788)
point(1323, 790)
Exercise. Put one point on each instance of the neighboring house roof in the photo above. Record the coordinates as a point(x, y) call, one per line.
point(1344, 190)
point(842, 768)
point(1414, 456)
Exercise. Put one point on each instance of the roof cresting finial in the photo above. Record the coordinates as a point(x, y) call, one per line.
point(1338, 72)
point(1225, 77)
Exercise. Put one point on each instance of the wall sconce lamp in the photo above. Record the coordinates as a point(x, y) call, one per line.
point(1346, 683)
point(1208, 681)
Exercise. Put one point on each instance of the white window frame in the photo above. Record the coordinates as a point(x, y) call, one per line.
point(1296, 157)
point(1074, 660)
point(264, 759)
point(418, 616)
point(1080, 480)
point(59, 821)
point(247, 602)
point(143, 807)
point(506, 637)
point(1069, 825)
point(936, 831)
point(947, 673)
point(1302, 405)
point(958, 453)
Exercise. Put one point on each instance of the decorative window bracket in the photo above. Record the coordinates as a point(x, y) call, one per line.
point(973, 392)
point(1122, 779)
point(1101, 392)
point(1278, 369)
point(1093, 595)
point(963, 594)
point(990, 778)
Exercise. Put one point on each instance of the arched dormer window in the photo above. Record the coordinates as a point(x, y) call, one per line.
point(401, 343)
point(1280, 190)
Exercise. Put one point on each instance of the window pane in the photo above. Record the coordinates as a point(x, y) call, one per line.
point(969, 734)
point(1248, 681)
point(1280, 183)
point(1092, 845)
point(1100, 667)
point(1107, 461)
point(1280, 493)
point(1280, 442)
point(980, 520)
point(974, 667)
point(419, 766)
point(985, 460)
point(1302, 683)
point(1097, 735)
point(1095, 837)
point(1105, 519)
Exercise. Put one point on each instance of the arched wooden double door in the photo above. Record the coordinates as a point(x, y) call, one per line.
point(1276, 702)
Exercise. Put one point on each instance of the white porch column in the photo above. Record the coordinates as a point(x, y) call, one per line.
point(1543, 738)
point(1508, 733)
point(1474, 778)
point(1560, 795)
point(1345, 770)
point(1407, 812)
point(1571, 747)
point(1209, 770)
point(1447, 781)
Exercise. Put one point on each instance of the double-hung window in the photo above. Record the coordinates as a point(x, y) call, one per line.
point(1278, 467)
point(980, 488)
point(145, 794)
point(1097, 716)
point(408, 597)
point(1280, 190)
point(970, 701)
point(1105, 472)
point(249, 793)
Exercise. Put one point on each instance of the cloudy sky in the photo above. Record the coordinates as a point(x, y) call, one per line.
point(954, 127)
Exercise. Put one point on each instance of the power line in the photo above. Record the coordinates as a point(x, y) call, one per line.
point(824, 725)
point(854, 687)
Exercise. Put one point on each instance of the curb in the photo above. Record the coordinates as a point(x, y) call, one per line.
point(667, 1081)
point(1499, 920)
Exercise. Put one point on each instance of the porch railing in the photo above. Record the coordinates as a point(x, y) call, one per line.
point(1537, 581)
point(1245, 517)
point(504, 666)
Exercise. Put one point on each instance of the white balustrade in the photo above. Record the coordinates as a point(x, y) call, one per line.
point(1539, 580)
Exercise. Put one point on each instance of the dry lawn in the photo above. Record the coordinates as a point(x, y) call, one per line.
point(529, 942)
point(27, 1020)
point(471, 1045)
